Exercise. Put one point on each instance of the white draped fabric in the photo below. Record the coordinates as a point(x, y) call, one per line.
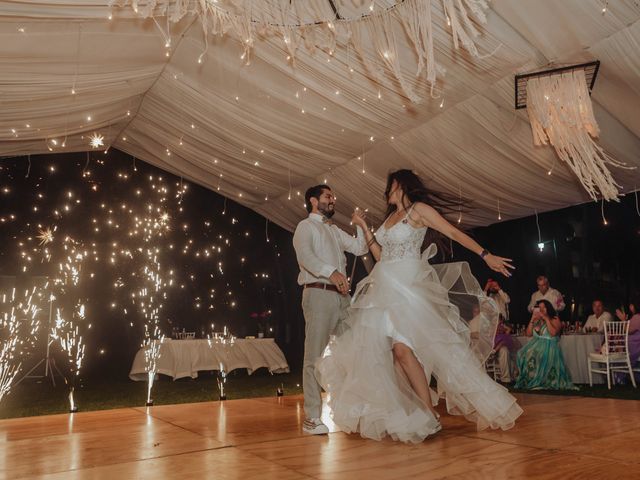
point(261, 133)
point(185, 358)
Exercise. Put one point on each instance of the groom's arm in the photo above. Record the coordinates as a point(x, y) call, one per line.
point(355, 245)
point(302, 243)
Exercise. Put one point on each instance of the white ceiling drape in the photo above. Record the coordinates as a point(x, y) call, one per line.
point(261, 134)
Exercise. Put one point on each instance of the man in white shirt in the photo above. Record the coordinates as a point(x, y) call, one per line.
point(544, 292)
point(493, 290)
point(320, 248)
point(596, 321)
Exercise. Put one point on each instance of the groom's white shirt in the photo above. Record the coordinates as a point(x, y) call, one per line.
point(320, 248)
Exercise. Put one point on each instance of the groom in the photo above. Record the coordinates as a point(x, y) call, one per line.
point(320, 248)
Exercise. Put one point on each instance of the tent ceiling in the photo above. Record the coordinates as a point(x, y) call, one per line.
point(262, 149)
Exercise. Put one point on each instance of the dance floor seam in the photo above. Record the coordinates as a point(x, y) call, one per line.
point(569, 437)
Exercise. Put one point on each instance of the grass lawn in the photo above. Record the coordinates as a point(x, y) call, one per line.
point(31, 398)
point(623, 392)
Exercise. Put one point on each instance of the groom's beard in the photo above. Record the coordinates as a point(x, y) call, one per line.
point(326, 209)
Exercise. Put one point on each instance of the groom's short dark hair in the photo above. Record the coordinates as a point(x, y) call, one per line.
point(314, 192)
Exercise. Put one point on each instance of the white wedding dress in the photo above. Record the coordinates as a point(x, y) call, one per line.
point(407, 300)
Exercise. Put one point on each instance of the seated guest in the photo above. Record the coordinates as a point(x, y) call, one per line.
point(540, 361)
point(502, 346)
point(492, 290)
point(474, 323)
point(595, 322)
point(634, 331)
point(545, 292)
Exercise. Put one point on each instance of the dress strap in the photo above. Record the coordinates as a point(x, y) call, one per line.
point(406, 216)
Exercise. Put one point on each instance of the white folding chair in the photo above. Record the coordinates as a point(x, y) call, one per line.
point(615, 356)
point(492, 367)
point(186, 335)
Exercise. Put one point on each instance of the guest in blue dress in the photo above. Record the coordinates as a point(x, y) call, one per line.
point(540, 361)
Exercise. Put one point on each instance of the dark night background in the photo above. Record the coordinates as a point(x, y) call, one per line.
point(583, 258)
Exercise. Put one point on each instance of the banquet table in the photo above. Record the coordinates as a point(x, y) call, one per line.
point(185, 358)
point(575, 349)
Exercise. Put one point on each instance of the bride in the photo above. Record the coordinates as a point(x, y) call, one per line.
point(405, 325)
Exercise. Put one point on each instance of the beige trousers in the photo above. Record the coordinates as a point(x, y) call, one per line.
point(504, 362)
point(324, 312)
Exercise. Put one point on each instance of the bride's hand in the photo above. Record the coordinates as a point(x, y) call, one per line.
point(358, 218)
point(499, 264)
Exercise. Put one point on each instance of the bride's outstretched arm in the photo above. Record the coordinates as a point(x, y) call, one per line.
point(358, 219)
point(429, 217)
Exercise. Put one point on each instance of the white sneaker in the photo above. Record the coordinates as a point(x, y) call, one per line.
point(314, 426)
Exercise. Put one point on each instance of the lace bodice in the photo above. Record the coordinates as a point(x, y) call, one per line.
point(401, 240)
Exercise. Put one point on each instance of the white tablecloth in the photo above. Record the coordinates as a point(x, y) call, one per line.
point(184, 358)
point(575, 349)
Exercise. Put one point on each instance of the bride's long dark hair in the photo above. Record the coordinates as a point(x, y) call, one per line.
point(414, 190)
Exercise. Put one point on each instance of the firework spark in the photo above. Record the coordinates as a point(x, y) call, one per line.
point(96, 140)
point(67, 333)
point(67, 325)
point(18, 329)
point(45, 235)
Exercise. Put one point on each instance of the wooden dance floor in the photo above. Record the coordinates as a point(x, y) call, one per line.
point(557, 437)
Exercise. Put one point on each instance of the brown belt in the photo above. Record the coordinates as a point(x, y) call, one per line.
point(323, 286)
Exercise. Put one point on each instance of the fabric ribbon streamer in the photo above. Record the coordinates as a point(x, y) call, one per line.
point(314, 25)
point(561, 114)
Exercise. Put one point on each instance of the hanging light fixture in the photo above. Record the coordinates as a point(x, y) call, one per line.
point(560, 111)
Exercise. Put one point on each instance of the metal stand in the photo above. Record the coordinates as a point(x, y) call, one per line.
point(222, 379)
point(50, 367)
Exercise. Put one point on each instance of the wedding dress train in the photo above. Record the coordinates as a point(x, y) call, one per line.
point(407, 300)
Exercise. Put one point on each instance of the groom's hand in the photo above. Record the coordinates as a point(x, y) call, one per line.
point(340, 281)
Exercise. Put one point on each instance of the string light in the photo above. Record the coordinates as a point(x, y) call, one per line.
point(552, 166)
point(460, 204)
point(540, 242)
